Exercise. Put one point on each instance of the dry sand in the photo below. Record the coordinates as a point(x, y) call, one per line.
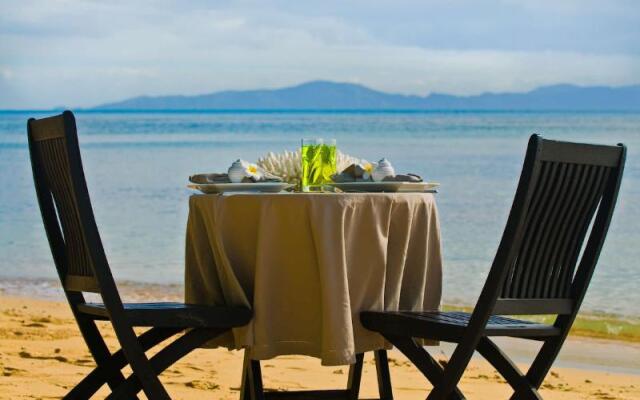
point(42, 355)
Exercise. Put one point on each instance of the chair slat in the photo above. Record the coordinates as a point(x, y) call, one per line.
point(533, 306)
point(535, 209)
point(572, 223)
point(47, 128)
point(571, 258)
point(563, 206)
point(52, 155)
point(564, 196)
point(532, 265)
point(551, 259)
point(569, 223)
point(580, 153)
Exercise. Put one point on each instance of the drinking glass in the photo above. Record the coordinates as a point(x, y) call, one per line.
point(318, 163)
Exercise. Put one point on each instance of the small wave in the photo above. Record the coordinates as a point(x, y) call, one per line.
point(50, 289)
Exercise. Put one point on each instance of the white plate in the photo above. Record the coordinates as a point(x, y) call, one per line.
point(268, 187)
point(386, 186)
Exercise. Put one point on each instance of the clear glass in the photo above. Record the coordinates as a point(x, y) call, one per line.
point(318, 163)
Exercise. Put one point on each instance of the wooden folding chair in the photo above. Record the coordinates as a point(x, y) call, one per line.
point(82, 266)
point(540, 267)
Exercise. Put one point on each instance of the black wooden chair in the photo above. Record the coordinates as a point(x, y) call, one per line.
point(540, 268)
point(82, 266)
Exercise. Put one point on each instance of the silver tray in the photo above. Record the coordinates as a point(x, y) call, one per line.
point(266, 187)
point(386, 186)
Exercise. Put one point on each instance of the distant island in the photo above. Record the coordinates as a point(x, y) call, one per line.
point(325, 95)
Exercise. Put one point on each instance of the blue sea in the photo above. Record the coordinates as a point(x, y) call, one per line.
point(137, 166)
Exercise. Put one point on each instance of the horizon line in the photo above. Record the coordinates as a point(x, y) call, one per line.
point(316, 110)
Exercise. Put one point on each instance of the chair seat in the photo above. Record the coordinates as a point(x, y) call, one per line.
point(449, 325)
point(175, 315)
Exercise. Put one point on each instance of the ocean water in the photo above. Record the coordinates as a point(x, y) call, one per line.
point(137, 166)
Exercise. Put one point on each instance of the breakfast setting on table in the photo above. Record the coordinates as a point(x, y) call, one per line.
point(317, 167)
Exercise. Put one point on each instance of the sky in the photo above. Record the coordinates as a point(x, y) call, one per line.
point(83, 53)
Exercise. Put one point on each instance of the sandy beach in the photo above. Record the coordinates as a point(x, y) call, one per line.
point(42, 355)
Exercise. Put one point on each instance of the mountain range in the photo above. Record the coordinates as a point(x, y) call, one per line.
point(325, 95)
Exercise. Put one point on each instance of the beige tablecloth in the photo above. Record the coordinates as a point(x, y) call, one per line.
point(307, 264)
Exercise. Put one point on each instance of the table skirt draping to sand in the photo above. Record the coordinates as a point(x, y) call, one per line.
point(308, 264)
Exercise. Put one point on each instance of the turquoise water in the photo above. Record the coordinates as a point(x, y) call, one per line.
point(137, 166)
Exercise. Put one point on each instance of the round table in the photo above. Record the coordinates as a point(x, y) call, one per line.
point(308, 264)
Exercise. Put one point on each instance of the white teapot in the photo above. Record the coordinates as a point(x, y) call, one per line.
point(382, 170)
point(237, 171)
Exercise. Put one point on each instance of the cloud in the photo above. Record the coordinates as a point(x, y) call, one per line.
point(81, 53)
point(6, 74)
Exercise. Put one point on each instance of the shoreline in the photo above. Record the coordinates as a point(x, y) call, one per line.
point(43, 355)
point(588, 325)
point(579, 352)
point(618, 328)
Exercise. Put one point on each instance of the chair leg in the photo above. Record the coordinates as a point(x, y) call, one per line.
point(384, 375)
point(100, 353)
point(523, 388)
point(164, 359)
point(426, 364)
point(141, 365)
point(92, 382)
point(98, 376)
point(544, 360)
point(454, 370)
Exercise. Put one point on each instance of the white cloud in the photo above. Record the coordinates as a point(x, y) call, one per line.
point(85, 53)
point(6, 73)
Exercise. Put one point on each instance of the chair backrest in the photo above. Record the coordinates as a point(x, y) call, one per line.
point(64, 203)
point(565, 188)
